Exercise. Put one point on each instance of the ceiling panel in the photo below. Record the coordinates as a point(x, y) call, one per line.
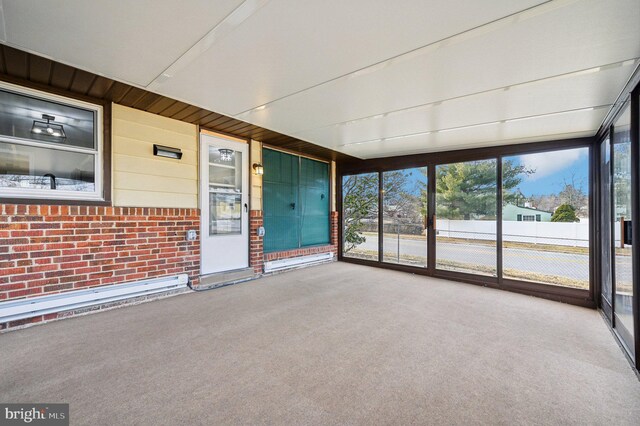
point(431, 75)
point(594, 88)
point(561, 126)
point(44, 74)
point(132, 41)
point(561, 38)
point(291, 45)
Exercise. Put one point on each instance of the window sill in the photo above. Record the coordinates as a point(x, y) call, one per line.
point(55, 202)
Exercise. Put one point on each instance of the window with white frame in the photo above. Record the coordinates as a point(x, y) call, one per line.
point(528, 218)
point(50, 146)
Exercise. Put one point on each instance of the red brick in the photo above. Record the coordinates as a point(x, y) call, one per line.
point(56, 247)
point(12, 271)
point(25, 292)
point(14, 286)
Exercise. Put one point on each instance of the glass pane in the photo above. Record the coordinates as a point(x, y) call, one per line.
point(28, 117)
point(29, 167)
point(466, 217)
point(605, 219)
point(360, 216)
point(404, 209)
point(225, 170)
point(554, 249)
point(225, 191)
point(622, 217)
point(225, 213)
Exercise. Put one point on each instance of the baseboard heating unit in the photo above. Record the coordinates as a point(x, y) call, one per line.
point(41, 305)
point(282, 264)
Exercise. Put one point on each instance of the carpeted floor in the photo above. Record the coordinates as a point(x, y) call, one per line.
point(333, 344)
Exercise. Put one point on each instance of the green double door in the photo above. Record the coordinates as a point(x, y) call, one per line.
point(295, 201)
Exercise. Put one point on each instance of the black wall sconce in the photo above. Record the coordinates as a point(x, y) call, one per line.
point(167, 151)
point(258, 169)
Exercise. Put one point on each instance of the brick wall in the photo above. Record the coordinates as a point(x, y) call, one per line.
point(256, 248)
point(334, 229)
point(49, 249)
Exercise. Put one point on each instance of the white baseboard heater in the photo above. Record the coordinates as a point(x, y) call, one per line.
point(279, 265)
point(41, 305)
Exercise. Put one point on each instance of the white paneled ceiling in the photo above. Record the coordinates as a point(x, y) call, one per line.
point(367, 78)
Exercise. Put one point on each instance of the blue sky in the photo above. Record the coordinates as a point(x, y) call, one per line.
point(552, 169)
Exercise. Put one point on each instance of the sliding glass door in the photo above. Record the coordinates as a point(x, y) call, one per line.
point(404, 216)
point(360, 199)
point(621, 220)
point(465, 223)
point(606, 225)
point(545, 218)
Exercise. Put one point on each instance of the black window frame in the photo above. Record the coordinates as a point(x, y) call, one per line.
point(574, 296)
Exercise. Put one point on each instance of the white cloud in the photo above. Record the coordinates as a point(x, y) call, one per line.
point(547, 163)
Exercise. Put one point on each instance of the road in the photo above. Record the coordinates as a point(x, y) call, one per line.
point(570, 265)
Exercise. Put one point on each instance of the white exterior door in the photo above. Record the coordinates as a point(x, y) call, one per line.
point(224, 200)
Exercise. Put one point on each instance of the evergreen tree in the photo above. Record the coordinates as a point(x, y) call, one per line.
point(468, 190)
point(565, 213)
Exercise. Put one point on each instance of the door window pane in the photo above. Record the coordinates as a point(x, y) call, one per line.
point(404, 214)
point(226, 213)
point(553, 249)
point(225, 172)
point(360, 216)
point(225, 191)
point(622, 214)
point(466, 217)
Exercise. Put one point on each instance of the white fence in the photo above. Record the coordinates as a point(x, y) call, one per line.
point(557, 233)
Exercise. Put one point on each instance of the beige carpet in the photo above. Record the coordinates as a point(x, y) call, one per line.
point(333, 344)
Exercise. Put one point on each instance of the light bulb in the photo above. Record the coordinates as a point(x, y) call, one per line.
point(49, 130)
point(36, 130)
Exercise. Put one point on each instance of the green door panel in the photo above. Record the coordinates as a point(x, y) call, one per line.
point(314, 197)
point(295, 201)
point(280, 201)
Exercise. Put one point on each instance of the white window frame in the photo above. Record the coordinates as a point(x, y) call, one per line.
point(528, 218)
point(97, 152)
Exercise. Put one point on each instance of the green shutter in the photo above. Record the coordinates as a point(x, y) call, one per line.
point(314, 197)
point(289, 179)
point(280, 190)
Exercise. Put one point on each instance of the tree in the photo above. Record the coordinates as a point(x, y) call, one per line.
point(468, 190)
point(404, 196)
point(360, 203)
point(565, 213)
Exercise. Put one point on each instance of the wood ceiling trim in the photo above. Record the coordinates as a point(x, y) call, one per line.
point(20, 67)
point(174, 109)
point(100, 87)
point(133, 97)
point(217, 122)
point(146, 101)
point(201, 116)
point(185, 112)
